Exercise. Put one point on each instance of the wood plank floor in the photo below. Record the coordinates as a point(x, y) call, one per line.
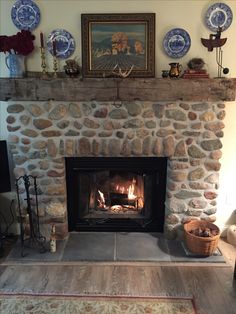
point(213, 288)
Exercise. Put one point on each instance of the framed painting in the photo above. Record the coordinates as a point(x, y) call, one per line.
point(118, 43)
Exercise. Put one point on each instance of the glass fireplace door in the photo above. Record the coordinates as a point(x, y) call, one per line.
point(106, 194)
point(116, 194)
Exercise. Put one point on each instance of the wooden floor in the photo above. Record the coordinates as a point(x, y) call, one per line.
point(212, 287)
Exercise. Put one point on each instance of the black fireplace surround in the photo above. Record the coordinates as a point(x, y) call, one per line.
point(99, 199)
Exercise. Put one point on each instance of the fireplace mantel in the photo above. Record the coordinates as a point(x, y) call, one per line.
point(109, 89)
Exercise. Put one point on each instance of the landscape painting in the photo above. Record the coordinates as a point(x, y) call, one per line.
point(123, 43)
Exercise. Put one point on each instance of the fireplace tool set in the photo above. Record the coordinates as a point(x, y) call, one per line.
point(30, 235)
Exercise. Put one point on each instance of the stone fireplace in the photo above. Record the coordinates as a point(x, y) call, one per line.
point(44, 134)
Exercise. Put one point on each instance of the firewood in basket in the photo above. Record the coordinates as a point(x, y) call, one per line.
point(204, 232)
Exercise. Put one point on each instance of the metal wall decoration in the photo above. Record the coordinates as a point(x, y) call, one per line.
point(215, 41)
point(218, 18)
point(29, 216)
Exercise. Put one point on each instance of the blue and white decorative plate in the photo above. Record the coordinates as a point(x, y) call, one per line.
point(65, 43)
point(25, 14)
point(218, 15)
point(176, 43)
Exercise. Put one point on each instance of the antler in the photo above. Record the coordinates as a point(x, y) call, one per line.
point(123, 74)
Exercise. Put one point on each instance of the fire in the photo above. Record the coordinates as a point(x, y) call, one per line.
point(122, 197)
point(131, 195)
point(130, 190)
point(101, 200)
point(120, 189)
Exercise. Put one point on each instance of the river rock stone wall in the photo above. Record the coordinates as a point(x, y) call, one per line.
point(41, 134)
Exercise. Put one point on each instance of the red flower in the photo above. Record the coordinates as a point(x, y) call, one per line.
point(4, 44)
point(21, 43)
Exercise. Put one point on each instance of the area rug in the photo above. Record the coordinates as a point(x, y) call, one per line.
point(59, 304)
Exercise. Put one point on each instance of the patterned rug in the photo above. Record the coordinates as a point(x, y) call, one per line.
point(55, 304)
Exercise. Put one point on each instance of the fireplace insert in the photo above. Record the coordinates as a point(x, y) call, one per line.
point(116, 193)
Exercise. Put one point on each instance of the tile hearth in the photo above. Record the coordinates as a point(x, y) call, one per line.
point(113, 247)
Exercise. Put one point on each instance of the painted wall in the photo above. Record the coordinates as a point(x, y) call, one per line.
point(188, 15)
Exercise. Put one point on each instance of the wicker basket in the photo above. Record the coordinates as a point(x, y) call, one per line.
point(201, 245)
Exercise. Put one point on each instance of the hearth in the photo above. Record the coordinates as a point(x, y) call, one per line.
point(116, 194)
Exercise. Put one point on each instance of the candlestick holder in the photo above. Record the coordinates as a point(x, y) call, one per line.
point(43, 62)
point(55, 66)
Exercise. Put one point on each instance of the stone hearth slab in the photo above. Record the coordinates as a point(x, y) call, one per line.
point(112, 247)
point(33, 254)
point(179, 253)
point(93, 246)
point(141, 247)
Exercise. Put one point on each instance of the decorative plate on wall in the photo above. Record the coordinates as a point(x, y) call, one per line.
point(64, 43)
point(218, 15)
point(176, 43)
point(25, 14)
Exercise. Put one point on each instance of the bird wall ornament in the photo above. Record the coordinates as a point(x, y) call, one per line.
point(215, 41)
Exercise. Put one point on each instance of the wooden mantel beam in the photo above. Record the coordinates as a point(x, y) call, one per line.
point(68, 89)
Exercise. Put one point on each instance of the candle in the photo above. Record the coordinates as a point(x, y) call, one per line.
point(41, 40)
point(54, 48)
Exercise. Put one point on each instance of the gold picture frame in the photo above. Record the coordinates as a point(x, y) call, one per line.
point(118, 42)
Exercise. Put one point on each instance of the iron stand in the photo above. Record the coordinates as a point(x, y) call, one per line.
point(32, 237)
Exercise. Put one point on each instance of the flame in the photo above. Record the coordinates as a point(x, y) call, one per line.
point(101, 200)
point(131, 195)
point(140, 202)
point(120, 189)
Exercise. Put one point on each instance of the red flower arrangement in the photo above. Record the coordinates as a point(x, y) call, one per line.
point(21, 43)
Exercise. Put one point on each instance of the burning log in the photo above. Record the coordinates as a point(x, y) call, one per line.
point(122, 199)
point(117, 199)
point(130, 207)
point(117, 208)
point(122, 209)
